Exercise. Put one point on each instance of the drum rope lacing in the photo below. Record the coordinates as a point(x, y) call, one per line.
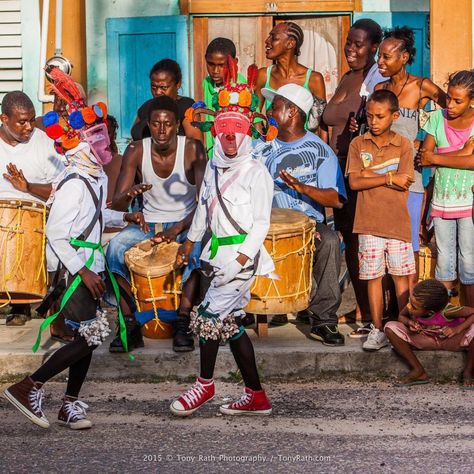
point(302, 287)
point(176, 293)
point(17, 230)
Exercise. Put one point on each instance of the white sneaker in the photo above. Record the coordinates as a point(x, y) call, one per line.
point(375, 340)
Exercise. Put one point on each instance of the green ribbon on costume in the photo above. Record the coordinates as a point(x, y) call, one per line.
point(75, 283)
point(216, 242)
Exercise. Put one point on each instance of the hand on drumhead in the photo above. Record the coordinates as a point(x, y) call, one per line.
point(291, 181)
point(184, 250)
point(16, 178)
point(137, 218)
point(138, 189)
point(93, 282)
point(168, 235)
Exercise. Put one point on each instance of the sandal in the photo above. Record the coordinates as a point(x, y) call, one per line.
point(411, 383)
point(467, 383)
point(362, 331)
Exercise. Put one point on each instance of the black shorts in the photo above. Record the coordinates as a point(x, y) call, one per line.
point(81, 306)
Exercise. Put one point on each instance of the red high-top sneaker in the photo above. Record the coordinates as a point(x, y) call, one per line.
point(199, 393)
point(250, 403)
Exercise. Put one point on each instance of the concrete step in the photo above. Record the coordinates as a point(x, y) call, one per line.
point(287, 353)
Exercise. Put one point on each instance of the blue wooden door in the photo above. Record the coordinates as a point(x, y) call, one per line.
point(418, 21)
point(134, 45)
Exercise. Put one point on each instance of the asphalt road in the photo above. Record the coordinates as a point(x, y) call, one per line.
point(328, 426)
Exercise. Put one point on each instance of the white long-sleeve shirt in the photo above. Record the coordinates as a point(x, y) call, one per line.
point(71, 212)
point(249, 201)
point(37, 159)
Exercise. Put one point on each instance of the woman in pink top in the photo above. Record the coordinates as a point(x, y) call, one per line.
point(429, 323)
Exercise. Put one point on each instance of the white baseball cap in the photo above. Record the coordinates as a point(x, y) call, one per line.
point(296, 94)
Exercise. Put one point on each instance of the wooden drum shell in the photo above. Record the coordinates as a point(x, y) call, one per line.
point(291, 248)
point(155, 283)
point(22, 251)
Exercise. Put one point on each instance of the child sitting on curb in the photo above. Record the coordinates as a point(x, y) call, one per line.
point(428, 322)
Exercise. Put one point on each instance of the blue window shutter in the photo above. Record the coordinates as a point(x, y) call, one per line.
point(134, 45)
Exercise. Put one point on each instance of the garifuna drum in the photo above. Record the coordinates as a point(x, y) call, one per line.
point(427, 269)
point(156, 284)
point(22, 251)
point(290, 243)
point(427, 261)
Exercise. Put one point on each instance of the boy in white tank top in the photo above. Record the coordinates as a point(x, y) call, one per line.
point(171, 169)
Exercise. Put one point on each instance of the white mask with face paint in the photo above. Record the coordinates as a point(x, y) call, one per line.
point(232, 145)
point(98, 139)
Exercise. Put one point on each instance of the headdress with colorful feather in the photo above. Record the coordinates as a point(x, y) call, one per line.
point(67, 135)
point(234, 97)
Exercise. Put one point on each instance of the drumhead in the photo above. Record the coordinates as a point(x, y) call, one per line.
point(153, 260)
point(288, 222)
point(15, 203)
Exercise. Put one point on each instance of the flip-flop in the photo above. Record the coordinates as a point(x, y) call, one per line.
point(412, 383)
point(467, 387)
point(361, 332)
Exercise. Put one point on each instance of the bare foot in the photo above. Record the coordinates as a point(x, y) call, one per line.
point(468, 379)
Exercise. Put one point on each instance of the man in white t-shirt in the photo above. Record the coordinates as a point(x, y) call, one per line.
point(28, 164)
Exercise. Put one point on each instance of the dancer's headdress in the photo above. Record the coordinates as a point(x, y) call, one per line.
point(238, 98)
point(84, 123)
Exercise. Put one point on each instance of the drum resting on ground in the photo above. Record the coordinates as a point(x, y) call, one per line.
point(22, 251)
point(290, 242)
point(156, 284)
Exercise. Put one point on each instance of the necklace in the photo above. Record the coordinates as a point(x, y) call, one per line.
point(403, 87)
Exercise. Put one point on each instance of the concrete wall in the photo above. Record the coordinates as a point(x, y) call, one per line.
point(97, 11)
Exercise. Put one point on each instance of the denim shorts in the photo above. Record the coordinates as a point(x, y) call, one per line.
point(455, 246)
point(132, 235)
point(415, 203)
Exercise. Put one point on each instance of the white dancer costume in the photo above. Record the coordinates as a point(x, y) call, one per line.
point(246, 188)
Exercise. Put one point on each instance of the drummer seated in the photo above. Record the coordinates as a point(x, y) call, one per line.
point(28, 166)
point(171, 168)
point(307, 178)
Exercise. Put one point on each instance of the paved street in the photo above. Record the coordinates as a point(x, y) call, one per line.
point(326, 426)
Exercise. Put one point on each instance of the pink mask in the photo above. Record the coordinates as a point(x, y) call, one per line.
point(231, 128)
point(231, 122)
point(98, 139)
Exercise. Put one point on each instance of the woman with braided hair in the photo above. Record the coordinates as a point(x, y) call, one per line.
point(428, 322)
point(283, 47)
point(396, 52)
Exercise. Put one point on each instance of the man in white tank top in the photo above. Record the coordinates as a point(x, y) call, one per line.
point(171, 169)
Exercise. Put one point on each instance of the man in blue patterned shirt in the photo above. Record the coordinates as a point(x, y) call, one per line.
point(307, 178)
